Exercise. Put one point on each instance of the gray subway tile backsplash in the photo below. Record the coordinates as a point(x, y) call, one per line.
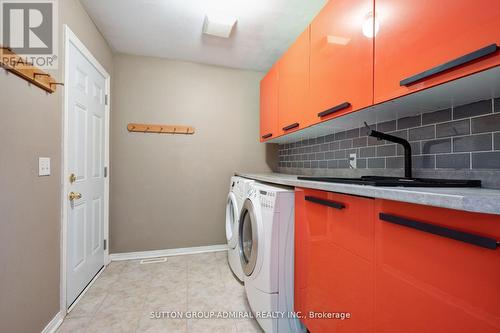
point(489, 123)
point(486, 160)
point(340, 154)
point(415, 148)
point(400, 134)
point(394, 162)
point(375, 142)
point(473, 109)
point(362, 163)
point(340, 136)
point(387, 126)
point(470, 143)
point(436, 146)
point(376, 163)
point(422, 133)
point(354, 133)
point(463, 138)
point(360, 142)
point(453, 161)
point(367, 152)
point(453, 128)
point(424, 162)
point(388, 150)
point(409, 122)
point(436, 117)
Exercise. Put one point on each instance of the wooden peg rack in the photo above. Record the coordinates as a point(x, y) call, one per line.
point(164, 129)
point(16, 65)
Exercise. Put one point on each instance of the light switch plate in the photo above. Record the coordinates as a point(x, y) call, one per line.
point(44, 166)
point(353, 163)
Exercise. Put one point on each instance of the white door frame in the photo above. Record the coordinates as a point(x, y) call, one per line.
point(71, 38)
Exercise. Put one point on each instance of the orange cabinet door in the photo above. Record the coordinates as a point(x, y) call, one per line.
point(294, 85)
point(341, 60)
point(429, 281)
point(269, 105)
point(334, 270)
point(420, 44)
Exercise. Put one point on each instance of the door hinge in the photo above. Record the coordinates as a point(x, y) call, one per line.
point(106, 99)
point(105, 172)
point(105, 244)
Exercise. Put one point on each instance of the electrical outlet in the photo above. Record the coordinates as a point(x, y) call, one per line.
point(353, 161)
point(44, 166)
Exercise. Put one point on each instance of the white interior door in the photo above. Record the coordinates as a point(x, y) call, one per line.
point(86, 161)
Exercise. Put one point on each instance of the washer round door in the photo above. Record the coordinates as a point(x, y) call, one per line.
point(232, 216)
point(248, 237)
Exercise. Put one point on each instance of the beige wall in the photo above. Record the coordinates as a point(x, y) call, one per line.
point(30, 205)
point(170, 191)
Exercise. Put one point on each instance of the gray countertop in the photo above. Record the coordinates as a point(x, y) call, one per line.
point(477, 200)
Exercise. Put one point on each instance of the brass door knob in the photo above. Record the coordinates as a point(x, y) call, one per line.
point(72, 178)
point(74, 195)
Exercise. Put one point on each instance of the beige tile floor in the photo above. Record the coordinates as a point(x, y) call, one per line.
point(124, 296)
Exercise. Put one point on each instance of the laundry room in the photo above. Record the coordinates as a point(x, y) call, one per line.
point(263, 166)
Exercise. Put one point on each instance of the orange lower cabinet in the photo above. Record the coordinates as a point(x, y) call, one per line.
point(333, 261)
point(428, 279)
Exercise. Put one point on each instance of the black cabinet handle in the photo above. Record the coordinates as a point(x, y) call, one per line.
point(450, 64)
point(289, 127)
point(332, 204)
point(334, 109)
point(473, 239)
point(268, 135)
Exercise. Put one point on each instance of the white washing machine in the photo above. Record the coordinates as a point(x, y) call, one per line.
point(266, 239)
point(238, 189)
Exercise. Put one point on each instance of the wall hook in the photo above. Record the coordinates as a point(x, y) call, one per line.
point(40, 74)
point(163, 129)
point(25, 69)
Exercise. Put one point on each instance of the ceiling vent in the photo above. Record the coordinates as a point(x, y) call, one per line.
point(218, 26)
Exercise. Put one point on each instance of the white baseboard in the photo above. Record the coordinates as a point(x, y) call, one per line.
point(166, 253)
point(54, 324)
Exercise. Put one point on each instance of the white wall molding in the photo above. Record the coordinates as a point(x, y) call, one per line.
point(167, 252)
point(54, 324)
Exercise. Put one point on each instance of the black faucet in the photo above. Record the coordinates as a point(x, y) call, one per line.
point(406, 145)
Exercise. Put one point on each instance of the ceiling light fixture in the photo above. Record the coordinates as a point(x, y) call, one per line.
point(218, 25)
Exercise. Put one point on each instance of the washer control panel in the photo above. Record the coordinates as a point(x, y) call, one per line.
point(267, 199)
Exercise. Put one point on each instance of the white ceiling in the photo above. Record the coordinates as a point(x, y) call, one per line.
point(172, 28)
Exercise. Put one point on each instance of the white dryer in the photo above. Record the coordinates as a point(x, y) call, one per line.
point(238, 189)
point(266, 239)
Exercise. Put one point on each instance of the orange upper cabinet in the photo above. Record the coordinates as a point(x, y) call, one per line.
point(294, 86)
point(420, 44)
point(269, 105)
point(341, 59)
